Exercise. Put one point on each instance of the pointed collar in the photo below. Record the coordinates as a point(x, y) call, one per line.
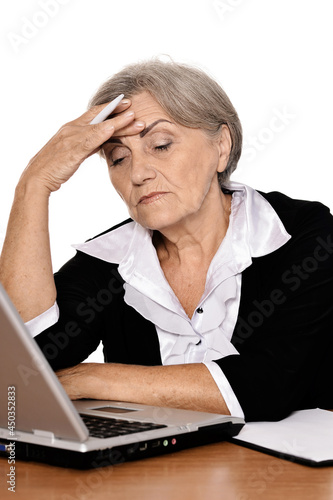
point(255, 230)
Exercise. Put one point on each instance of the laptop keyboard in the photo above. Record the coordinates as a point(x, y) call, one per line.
point(101, 427)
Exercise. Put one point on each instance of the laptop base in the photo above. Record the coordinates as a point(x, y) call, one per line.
point(120, 454)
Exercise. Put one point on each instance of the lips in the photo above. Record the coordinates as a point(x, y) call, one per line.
point(151, 197)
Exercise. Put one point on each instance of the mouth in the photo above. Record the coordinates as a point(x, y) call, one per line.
point(151, 197)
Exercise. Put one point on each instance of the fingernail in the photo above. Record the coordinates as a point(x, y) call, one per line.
point(139, 124)
point(129, 114)
point(125, 101)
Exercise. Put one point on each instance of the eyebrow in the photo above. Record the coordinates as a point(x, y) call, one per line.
point(148, 129)
point(143, 132)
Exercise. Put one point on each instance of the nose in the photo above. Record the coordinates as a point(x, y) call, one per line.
point(141, 169)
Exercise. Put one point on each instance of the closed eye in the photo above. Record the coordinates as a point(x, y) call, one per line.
point(117, 161)
point(163, 147)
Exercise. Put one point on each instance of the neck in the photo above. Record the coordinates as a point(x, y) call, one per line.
point(197, 239)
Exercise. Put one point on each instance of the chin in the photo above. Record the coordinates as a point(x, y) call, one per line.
point(156, 222)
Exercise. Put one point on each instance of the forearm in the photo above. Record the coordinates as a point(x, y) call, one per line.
point(25, 262)
point(189, 386)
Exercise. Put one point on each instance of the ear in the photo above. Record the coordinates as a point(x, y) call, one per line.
point(224, 147)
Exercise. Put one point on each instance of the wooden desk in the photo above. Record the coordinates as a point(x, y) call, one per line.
point(222, 471)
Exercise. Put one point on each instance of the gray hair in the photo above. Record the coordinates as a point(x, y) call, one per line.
point(189, 96)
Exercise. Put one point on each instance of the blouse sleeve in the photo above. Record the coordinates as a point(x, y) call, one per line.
point(284, 330)
point(43, 321)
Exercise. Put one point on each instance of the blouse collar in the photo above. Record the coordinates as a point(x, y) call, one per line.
point(254, 230)
point(255, 223)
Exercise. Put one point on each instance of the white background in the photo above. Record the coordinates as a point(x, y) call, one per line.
point(272, 57)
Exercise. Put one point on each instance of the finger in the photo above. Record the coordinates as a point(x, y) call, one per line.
point(97, 134)
point(122, 129)
point(122, 124)
point(107, 111)
point(132, 129)
point(89, 115)
point(122, 106)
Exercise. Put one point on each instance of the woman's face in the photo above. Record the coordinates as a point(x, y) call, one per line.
point(166, 174)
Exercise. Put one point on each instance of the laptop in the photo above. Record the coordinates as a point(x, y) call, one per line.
point(39, 422)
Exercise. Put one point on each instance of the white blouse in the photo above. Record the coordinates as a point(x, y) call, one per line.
point(254, 230)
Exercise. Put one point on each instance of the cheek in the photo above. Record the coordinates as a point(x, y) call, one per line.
point(201, 179)
point(119, 184)
point(200, 171)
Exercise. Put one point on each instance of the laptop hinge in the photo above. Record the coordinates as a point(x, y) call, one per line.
point(44, 434)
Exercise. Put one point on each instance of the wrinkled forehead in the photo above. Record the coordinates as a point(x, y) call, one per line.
point(147, 109)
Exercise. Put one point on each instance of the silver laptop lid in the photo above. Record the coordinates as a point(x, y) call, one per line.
point(41, 404)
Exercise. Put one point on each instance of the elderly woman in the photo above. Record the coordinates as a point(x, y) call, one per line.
point(212, 296)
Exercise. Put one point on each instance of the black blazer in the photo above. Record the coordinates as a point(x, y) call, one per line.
point(283, 331)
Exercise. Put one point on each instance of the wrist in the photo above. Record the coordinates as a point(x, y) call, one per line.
point(29, 186)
